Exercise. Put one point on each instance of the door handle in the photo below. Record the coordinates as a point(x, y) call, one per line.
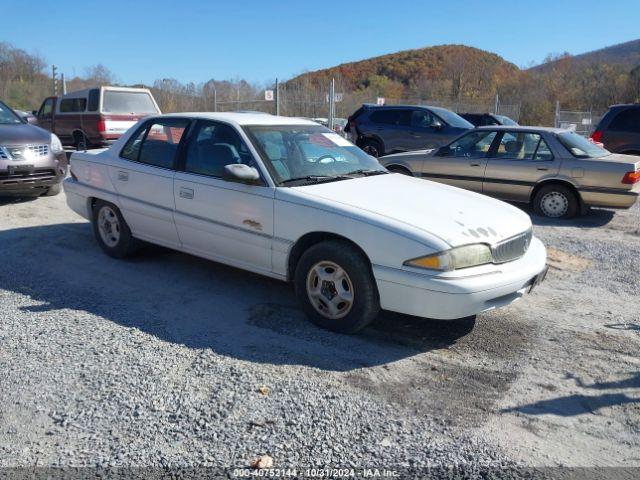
point(123, 176)
point(186, 193)
point(543, 169)
point(474, 164)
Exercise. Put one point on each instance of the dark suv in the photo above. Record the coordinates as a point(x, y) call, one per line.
point(488, 119)
point(381, 130)
point(619, 129)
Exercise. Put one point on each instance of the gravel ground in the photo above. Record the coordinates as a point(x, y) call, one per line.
point(160, 360)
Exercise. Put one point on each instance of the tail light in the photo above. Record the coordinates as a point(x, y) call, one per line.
point(597, 136)
point(631, 177)
point(102, 126)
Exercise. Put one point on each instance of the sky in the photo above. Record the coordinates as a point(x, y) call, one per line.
point(196, 40)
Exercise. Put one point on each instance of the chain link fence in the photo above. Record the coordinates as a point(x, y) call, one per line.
point(582, 122)
point(307, 101)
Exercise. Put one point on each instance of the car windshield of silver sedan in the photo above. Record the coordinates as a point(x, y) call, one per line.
point(7, 116)
point(580, 146)
point(303, 154)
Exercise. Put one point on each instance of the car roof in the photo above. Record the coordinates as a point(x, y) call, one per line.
point(241, 118)
point(522, 128)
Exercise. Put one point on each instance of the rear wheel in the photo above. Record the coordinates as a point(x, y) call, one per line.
point(372, 147)
point(111, 231)
point(80, 141)
point(335, 286)
point(556, 201)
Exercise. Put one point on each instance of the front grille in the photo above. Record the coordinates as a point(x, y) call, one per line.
point(512, 248)
point(24, 152)
point(25, 177)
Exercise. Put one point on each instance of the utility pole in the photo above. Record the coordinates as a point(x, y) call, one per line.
point(54, 74)
point(497, 105)
point(332, 105)
point(277, 97)
point(64, 84)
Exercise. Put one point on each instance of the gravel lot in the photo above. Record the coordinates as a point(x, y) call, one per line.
point(159, 361)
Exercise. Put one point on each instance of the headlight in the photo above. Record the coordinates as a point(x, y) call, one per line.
point(56, 144)
point(454, 259)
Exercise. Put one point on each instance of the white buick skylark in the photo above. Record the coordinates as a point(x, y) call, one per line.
point(290, 199)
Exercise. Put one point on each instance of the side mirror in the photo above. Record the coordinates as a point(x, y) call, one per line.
point(239, 172)
point(437, 125)
point(443, 151)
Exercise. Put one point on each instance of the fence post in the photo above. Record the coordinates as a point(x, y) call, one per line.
point(215, 99)
point(497, 104)
point(557, 117)
point(277, 97)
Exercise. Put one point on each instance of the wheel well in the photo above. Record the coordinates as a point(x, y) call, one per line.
point(556, 182)
point(309, 240)
point(395, 168)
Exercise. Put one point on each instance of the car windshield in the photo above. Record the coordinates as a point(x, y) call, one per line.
point(127, 102)
point(7, 116)
point(581, 147)
point(309, 153)
point(506, 120)
point(451, 118)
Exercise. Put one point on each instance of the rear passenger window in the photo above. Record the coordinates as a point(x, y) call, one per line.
point(69, 105)
point(523, 146)
point(627, 121)
point(94, 100)
point(390, 116)
point(157, 144)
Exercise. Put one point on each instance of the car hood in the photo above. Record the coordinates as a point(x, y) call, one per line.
point(23, 133)
point(456, 216)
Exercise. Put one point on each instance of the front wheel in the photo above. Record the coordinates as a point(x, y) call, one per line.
point(111, 231)
point(53, 190)
point(556, 201)
point(335, 286)
point(373, 148)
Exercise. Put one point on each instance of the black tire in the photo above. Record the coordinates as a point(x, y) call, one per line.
point(372, 147)
point(125, 245)
point(80, 141)
point(401, 170)
point(365, 303)
point(556, 201)
point(53, 190)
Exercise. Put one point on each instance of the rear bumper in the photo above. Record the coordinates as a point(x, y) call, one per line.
point(450, 298)
point(611, 198)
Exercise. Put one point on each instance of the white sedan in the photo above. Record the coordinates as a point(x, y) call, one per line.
point(290, 199)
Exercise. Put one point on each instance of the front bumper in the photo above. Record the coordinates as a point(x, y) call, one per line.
point(457, 296)
point(32, 177)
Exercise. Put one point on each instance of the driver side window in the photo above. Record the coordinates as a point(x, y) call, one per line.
point(472, 145)
point(212, 146)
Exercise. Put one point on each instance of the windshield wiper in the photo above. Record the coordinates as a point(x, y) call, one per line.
point(367, 172)
point(315, 179)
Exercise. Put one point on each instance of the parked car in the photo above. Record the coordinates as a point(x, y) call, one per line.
point(95, 117)
point(338, 124)
point(381, 130)
point(487, 119)
point(27, 117)
point(32, 161)
point(558, 171)
point(619, 129)
point(290, 199)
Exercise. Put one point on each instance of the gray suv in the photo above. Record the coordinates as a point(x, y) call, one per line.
point(619, 129)
point(32, 161)
point(381, 130)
